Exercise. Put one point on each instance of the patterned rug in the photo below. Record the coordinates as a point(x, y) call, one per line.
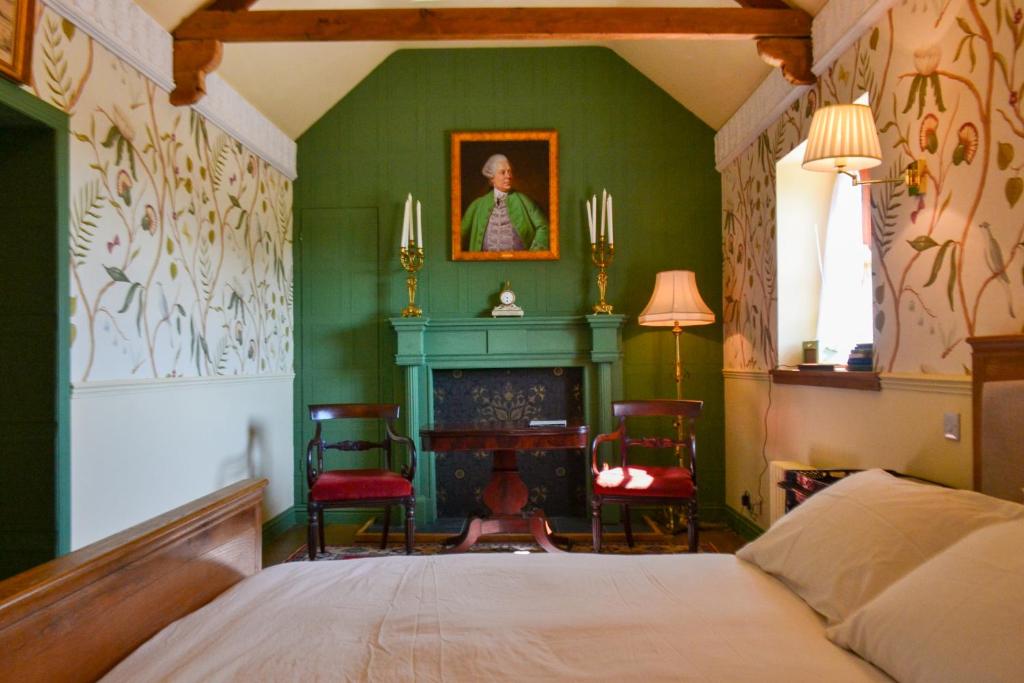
point(358, 552)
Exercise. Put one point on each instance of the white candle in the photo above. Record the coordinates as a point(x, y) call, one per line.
point(611, 224)
point(593, 219)
point(412, 225)
point(604, 206)
point(590, 223)
point(405, 226)
point(419, 224)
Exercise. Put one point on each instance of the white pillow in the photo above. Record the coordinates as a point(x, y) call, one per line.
point(847, 543)
point(957, 617)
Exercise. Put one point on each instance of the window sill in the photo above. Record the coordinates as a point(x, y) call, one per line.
point(837, 379)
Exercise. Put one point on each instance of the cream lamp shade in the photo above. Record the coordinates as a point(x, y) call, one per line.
point(842, 136)
point(676, 301)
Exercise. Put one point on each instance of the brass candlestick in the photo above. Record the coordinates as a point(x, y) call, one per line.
point(602, 253)
point(411, 258)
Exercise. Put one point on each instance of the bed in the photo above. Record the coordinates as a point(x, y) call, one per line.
point(182, 597)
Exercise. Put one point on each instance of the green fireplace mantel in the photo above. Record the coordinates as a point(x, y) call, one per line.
point(593, 342)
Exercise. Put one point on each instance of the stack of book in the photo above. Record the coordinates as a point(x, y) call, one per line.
point(862, 357)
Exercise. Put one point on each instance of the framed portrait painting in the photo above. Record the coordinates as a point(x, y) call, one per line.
point(505, 195)
point(16, 17)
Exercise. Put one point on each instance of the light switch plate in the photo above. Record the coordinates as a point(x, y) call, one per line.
point(951, 426)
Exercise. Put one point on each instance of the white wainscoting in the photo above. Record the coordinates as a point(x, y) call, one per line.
point(899, 427)
point(143, 447)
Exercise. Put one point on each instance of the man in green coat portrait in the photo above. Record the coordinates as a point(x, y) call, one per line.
point(503, 219)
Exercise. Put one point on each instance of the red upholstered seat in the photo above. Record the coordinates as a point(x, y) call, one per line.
point(674, 485)
point(668, 482)
point(359, 484)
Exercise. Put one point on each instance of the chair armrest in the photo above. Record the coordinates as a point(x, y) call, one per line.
point(598, 440)
point(311, 471)
point(409, 469)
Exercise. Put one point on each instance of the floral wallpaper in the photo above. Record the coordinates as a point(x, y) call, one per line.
point(180, 238)
point(946, 82)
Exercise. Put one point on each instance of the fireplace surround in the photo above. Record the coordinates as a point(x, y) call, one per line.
point(592, 343)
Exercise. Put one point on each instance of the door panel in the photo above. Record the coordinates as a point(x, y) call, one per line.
point(340, 336)
point(28, 344)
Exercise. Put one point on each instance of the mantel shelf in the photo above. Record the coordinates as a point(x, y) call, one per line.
point(509, 342)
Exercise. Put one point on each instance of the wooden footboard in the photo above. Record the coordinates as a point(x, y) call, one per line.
point(74, 618)
point(994, 359)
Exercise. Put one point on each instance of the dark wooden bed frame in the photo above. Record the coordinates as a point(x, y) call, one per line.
point(74, 618)
point(995, 359)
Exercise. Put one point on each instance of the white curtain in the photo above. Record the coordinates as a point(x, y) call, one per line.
point(844, 308)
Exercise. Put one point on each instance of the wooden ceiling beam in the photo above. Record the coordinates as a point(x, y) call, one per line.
point(235, 5)
point(763, 4)
point(496, 23)
point(783, 34)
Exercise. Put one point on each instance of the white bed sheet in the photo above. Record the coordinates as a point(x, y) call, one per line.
point(478, 617)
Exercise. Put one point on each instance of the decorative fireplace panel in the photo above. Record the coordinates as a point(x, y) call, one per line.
point(556, 479)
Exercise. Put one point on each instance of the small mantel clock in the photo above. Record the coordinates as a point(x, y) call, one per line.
point(507, 303)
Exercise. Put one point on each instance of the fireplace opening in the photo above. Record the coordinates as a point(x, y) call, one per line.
point(555, 478)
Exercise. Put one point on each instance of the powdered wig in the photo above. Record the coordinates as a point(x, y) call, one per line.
point(492, 164)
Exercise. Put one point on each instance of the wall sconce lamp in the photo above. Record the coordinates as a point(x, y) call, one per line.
point(843, 138)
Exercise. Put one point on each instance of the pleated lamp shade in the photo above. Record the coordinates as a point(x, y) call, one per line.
point(842, 136)
point(676, 301)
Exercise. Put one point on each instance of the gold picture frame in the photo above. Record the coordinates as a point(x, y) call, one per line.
point(16, 20)
point(532, 201)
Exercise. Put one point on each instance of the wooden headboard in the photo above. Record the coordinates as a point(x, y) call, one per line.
point(996, 359)
point(74, 618)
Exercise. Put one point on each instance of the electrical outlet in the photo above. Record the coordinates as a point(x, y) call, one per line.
point(951, 426)
point(745, 500)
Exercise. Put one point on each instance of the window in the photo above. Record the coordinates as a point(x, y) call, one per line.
point(824, 262)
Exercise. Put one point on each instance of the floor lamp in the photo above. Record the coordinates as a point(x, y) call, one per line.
point(676, 303)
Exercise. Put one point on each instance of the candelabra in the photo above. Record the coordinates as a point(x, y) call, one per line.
point(602, 253)
point(411, 258)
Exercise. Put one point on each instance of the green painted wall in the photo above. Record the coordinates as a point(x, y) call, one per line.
point(390, 136)
point(28, 419)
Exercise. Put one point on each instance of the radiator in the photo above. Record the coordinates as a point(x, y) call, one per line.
point(776, 495)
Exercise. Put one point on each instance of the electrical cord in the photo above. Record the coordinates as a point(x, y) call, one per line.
point(764, 452)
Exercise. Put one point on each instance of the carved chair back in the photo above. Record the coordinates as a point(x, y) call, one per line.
point(684, 414)
point(388, 412)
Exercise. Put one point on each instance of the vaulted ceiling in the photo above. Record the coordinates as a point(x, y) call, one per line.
point(294, 84)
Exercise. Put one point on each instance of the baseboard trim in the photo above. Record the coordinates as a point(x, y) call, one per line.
point(276, 526)
point(338, 516)
point(741, 524)
point(296, 516)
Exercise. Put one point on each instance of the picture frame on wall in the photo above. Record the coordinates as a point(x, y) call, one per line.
point(504, 195)
point(16, 19)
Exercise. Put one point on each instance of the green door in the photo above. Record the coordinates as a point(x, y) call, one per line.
point(28, 343)
point(340, 333)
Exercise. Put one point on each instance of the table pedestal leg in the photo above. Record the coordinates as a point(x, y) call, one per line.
point(505, 496)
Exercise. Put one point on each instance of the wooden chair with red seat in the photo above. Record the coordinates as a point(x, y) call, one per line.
point(347, 488)
point(648, 484)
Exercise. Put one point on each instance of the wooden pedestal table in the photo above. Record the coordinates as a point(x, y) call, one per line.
point(505, 494)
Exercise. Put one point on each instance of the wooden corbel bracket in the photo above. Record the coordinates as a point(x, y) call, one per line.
point(792, 55)
point(193, 59)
